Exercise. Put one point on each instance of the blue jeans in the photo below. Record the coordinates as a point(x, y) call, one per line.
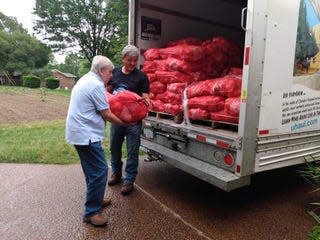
point(132, 136)
point(95, 169)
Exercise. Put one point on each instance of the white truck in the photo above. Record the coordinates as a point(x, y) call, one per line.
point(279, 122)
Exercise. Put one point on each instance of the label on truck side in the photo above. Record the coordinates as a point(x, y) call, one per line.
point(291, 86)
point(150, 28)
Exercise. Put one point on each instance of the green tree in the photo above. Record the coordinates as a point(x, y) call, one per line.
point(10, 24)
point(75, 64)
point(306, 43)
point(96, 26)
point(84, 67)
point(72, 62)
point(20, 51)
point(70, 65)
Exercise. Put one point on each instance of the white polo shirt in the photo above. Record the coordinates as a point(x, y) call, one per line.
point(84, 122)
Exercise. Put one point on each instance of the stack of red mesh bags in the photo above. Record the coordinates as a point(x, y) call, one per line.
point(187, 62)
point(217, 99)
point(170, 70)
point(128, 106)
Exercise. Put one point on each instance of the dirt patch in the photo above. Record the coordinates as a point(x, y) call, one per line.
point(19, 108)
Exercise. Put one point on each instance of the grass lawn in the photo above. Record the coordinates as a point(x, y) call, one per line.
point(40, 142)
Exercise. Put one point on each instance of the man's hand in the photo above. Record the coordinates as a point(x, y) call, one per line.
point(107, 115)
point(146, 98)
point(148, 103)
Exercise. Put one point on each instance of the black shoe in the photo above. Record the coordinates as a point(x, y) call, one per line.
point(126, 188)
point(114, 179)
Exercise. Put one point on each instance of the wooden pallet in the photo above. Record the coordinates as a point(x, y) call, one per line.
point(161, 115)
point(205, 122)
point(216, 124)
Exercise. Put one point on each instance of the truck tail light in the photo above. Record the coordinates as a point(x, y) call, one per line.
point(201, 138)
point(228, 159)
point(223, 144)
point(238, 169)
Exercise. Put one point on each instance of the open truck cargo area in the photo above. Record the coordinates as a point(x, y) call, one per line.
point(278, 123)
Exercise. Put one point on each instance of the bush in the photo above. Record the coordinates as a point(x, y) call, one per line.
point(52, 82)
point(315, 233)
point(31, 81)
point(311, 173)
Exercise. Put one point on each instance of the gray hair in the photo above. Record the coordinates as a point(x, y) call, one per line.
point(130, 50)
point(100, 62)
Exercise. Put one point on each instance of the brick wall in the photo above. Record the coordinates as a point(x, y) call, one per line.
point(65, 82)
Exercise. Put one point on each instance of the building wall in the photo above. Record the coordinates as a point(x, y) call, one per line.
point(65, 82)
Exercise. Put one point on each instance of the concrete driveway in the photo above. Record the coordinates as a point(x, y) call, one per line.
point(41, 202)
point(45, 202)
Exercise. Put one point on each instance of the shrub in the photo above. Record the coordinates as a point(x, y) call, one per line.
point(52, 82)
point(311, 173)
point(315, 233)
point(31, 81)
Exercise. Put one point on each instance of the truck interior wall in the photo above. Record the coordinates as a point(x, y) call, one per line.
point(202, 18)
point(209, 9)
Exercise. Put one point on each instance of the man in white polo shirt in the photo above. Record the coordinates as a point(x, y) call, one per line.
point(85, 129)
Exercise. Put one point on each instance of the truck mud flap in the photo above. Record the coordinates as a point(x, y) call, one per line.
point(221, 178)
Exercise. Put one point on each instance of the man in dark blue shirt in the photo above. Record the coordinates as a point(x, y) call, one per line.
point(127, 77)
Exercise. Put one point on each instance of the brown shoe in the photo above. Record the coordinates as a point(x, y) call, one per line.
point(126, 188)
point(114, 179)
point(97, 220)
point(106, 202)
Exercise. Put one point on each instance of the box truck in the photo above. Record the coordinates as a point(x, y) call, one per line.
point(279, 120)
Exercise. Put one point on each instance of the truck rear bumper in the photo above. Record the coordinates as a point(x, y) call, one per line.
point(205, 171)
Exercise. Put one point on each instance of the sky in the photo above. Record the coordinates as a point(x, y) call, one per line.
point(22, 10)
point(311, 15)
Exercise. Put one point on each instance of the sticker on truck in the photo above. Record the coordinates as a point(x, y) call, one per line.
point(291, 86)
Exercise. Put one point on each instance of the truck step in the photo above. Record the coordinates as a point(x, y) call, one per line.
point(208, 172)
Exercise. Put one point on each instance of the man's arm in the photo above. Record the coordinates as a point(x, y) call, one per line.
point(107, 115)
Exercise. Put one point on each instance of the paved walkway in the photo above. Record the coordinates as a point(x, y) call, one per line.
point(41, 202)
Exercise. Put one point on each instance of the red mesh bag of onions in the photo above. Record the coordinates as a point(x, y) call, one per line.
point(128, 106)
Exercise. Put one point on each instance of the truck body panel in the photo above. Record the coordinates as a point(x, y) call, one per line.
point(279, 122)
